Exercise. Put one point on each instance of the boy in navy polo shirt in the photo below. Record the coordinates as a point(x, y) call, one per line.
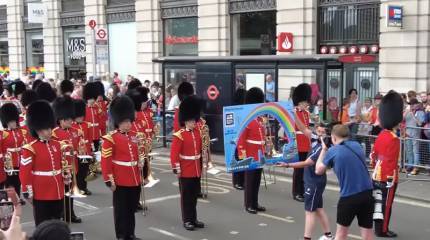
point(314, 186)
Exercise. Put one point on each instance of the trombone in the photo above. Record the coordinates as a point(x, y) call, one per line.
point(143, 147)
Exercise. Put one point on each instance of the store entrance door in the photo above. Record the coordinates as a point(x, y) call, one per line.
point(75, 72)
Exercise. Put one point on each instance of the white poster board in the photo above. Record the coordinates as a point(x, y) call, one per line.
point(254, 80)
point(37, 13)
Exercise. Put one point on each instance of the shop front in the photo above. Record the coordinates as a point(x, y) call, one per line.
point(34, 51)
point(4, 45)
point(74, 53)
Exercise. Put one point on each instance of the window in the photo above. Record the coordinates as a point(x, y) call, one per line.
point(180, 36)
point(72, 5)
point(34, 48)
point(254, 33)
point(4, 51)
point(74, 48)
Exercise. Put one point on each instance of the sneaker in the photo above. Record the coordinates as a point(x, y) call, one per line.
point(324, 237)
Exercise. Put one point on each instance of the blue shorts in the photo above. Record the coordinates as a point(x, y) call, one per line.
point(313, 196)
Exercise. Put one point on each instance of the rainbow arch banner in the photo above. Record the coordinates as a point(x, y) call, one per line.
point(235, 120)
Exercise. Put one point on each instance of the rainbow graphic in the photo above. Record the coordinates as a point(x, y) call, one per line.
point(4, 70)
point(237, 118)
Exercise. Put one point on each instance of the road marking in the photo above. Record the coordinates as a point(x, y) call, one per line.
point(203, 200)
point(262, 224)
point(160, 199)
point(167, 233)
point(276, 217)
point(354, 236)
point(85, 205)
point(234, 232)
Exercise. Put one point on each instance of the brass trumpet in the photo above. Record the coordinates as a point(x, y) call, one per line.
point(67, 151)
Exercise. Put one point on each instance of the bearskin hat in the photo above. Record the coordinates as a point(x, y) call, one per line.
point(8, 113)
point(239, 96)
point(391, 110)
point(45, 92)
point(66, 86)
point(100, 89)
point(189, 109)
point(28, 97)
point(80, 108)
point(121, 109)
point(136, 97)
point(254, 95)
point(185, 89)
point(16, 87)
point(134, 84)
point(90, 91)
point(35, 84)
point(40, 116)
point(64, 108)
point(302, 93)
point(144, 91)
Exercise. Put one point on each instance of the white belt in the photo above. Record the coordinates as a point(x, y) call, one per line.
point(196, 157)
point(256, 142)
point(13, 149)
point(93, 124)
point(126, 164)
point(46, 173)
point(148, 130)
point(299, 132)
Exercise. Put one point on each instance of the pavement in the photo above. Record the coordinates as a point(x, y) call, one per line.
point(223, 211)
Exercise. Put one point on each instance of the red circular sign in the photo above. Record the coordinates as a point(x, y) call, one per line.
point(212, 92)
point(92, 24)
point(101, 33)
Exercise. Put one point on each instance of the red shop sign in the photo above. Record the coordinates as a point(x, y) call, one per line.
point(171, 40)
point(357, 58)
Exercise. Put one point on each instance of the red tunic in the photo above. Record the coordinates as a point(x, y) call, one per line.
point(252, 140)
point(120, 158)
point(146, 116)
point(385, 156)
point(41, 169)
point(186, 152)
point(303, 142)
point(103, 116)
point(70, 137)
point(83, 133)
point(92, 116)
point(11, 143)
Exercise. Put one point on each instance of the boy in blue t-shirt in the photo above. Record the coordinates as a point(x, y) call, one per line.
point(314, 188)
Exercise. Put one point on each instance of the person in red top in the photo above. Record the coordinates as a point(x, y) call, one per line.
point(185, 89)
point(385, 159)
point(11, 141)
point(84, 146)
point(185, 155)
point(92, 113)
point(64, 111)
point(102, 104)
point(121, 166)
point(41, 168)
point(251, 143)
point(301, 99)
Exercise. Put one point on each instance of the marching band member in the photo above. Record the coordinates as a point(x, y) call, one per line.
point(83, 133)
point(27, 98)
point(120, 166)
point(185, 158)
point(92, 113)
point(185, 89)
point(102, 103)
point(239, 177)
point(11, 141)
point(16, 88)
point(301, 97)
point(64, 111)
point(41, 168)
point(66, 87)
point(385, 158)
point(251, 141)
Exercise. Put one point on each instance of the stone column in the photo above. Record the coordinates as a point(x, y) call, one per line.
point(213, 26)
point(404, 55)
point(94, 10)
point(53, 41)
point(15, 33)
point(149, 41)
point(299, 18)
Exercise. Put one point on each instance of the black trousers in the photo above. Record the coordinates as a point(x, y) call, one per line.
point(83, 169)
point(298, 184)
point(47, 209)
point(382, 226)
point(189, 189)
point(96, 145)
point(124, 207)
point(239, 178)
point(69, 208)
point(13, 181)
point(252, 187)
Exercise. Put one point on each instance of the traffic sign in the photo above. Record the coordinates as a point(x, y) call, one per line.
point(212, 92)
point(101, 34)
point(92, 24)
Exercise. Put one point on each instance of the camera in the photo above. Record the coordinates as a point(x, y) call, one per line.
point(77, 236)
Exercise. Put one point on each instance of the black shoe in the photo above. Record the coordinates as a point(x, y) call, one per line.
point(199, 224)
point(388, 234)
point(299, 198)
point(202, 195)
point(87, 192)
point(261, 208)
point(251, 210)
point(76, 219)
point(189, 226)
point(139, 207)
point(133, 237)
point(238, 187)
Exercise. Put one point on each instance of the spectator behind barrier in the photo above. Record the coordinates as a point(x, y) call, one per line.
point(347, 159)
